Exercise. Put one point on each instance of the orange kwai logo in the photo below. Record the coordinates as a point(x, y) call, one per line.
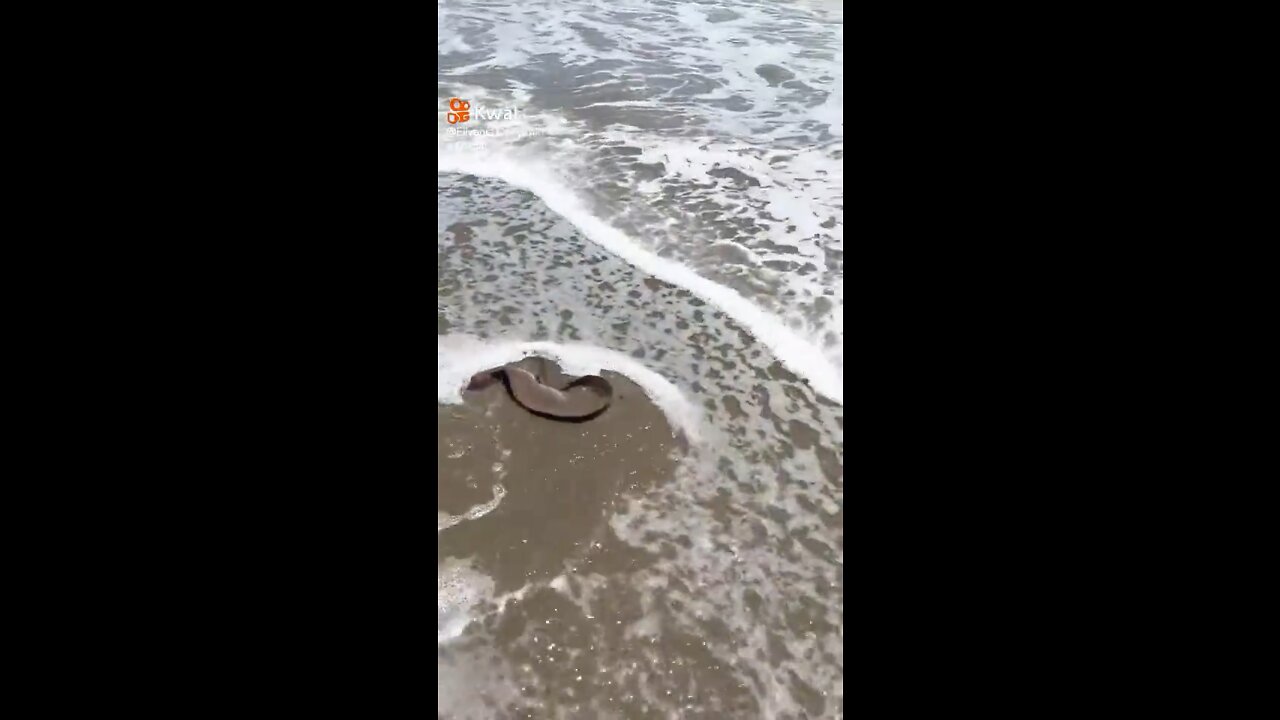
point(461, 111)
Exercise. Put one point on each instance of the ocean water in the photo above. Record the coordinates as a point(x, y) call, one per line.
point(653, 189)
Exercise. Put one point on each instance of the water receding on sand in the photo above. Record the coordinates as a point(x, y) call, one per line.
point(684, 550)
point(669, 216)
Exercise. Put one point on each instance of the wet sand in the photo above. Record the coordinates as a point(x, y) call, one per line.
point(708, 585)
point(556, 483)
point(688, 232)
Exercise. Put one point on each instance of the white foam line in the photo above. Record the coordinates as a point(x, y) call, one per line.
point(797, 354)
point(621, 103)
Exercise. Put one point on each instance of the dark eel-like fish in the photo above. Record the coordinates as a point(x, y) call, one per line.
point(582, 399)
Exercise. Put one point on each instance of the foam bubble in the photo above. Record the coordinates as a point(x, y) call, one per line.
point(459, 589)
point(444, 521)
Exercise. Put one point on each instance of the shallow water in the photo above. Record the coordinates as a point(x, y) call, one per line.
point(665, 205)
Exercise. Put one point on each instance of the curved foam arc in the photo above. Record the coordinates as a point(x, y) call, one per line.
point(796, 353)
point(444, 521)
point(458, 357)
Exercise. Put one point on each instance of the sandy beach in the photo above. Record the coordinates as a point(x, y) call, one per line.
point(664, 208)
point(556, 482)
